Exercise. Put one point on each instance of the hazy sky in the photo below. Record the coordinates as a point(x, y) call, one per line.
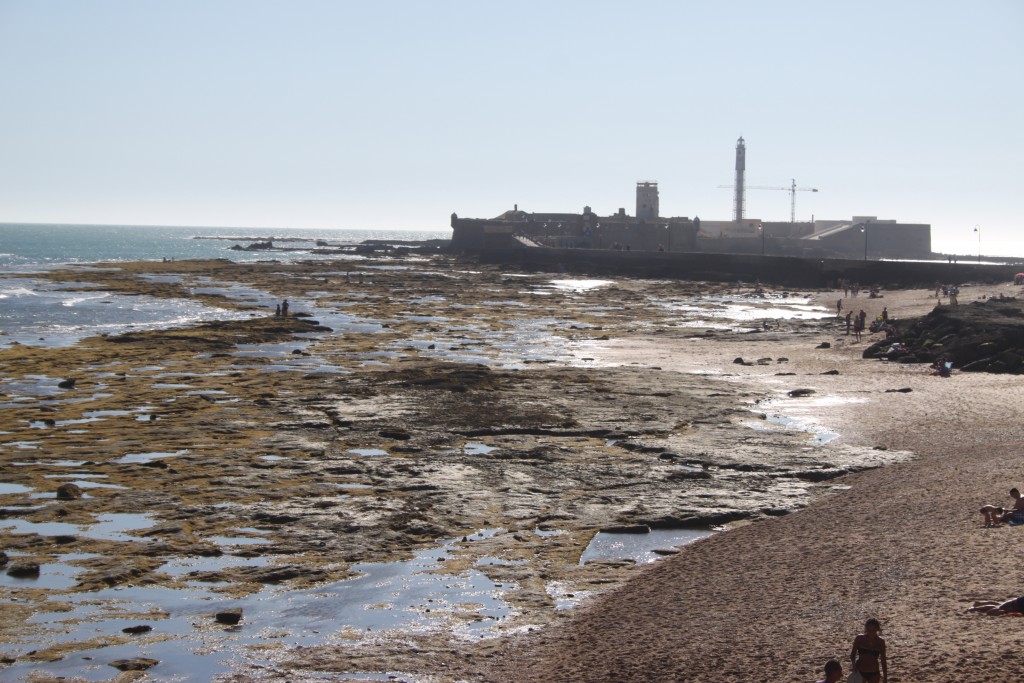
point(376, 114)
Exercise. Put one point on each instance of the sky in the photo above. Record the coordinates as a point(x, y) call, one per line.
point(394, 114)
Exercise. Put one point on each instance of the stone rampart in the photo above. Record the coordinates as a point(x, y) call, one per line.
point(778, 270)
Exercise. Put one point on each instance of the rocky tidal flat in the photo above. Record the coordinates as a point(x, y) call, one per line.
point(405, 406)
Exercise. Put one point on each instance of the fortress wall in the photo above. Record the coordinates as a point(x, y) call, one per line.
point(777, 270)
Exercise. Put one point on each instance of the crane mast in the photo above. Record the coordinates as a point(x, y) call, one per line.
point(792, 190)
point(739, 187)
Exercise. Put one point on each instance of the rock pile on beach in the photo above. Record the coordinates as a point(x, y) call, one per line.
point(983, 336)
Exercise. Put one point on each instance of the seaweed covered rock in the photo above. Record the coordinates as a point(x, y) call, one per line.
point(983, 336)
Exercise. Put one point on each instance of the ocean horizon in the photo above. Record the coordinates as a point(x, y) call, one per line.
point(43, 245)
point(38, 312)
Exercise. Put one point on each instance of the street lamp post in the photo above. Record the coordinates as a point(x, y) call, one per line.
point(977, 229)
point(760, 226)
point(864, 229)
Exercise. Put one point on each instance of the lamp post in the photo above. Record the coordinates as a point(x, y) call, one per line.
point(760, 227)
point(977, 229)
point(864, 229)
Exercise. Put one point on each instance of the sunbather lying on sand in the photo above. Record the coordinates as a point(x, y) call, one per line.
point(1010, 608)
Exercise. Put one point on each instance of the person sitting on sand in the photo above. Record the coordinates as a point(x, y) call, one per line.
point(833, 672)
point(1010, 608)
point(868, 653)
point(995, 515)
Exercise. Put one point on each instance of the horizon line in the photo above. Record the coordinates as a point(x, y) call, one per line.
point(222, 227)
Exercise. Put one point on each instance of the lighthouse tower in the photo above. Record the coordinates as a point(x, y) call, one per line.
point(741, 166)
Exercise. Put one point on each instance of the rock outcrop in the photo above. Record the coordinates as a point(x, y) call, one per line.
point(984, 336)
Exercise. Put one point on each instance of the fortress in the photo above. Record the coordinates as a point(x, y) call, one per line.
point(866, 237)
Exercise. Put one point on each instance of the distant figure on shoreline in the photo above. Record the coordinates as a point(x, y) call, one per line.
point(284, 308)
point(868, 653)
point(277, 311)
point(994, 515)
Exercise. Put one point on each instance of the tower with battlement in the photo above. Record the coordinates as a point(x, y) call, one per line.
point(646, 201)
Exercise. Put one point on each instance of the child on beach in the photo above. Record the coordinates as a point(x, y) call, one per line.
point(994, 515)
point(833, 672)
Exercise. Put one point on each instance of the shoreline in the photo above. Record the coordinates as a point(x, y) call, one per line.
point(774, 600)
point(668, 429)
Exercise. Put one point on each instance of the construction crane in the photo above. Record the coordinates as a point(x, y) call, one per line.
point(792, 189)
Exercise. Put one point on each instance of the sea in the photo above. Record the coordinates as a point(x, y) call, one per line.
point(35, 311)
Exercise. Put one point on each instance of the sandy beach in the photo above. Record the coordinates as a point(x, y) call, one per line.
point(443, 409)
point(772, 601)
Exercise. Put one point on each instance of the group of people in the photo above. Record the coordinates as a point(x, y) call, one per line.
point(867, 657)
point(868, 653)
point(849, 288)
point(857, 323)
point(993, 516)
point(952, 291)
point(282, 310)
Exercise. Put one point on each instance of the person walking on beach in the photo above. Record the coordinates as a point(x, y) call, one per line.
point(839, 308)
point(849, 321)
point(868, 654)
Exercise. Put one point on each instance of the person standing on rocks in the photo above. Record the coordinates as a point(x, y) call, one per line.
point(284, 308)
point(868, 654)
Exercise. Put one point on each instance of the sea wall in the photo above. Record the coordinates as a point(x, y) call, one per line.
point(779, 270)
